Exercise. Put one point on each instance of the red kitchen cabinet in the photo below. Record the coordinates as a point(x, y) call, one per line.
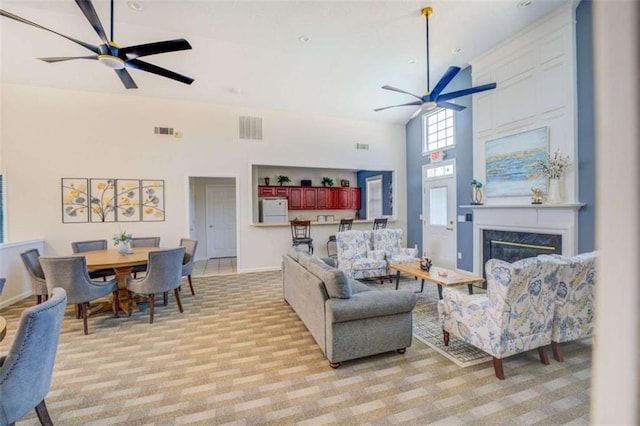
point(266, 191)
point(309, 198)
point(343, 196)
point(326, 198)
point(295, 198)
point(356, 198)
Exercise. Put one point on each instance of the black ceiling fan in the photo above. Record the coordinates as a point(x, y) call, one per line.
point(113, 56)
point(435, 97)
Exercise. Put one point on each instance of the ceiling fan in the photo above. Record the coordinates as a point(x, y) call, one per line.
point(435, 97)
point(110, 54)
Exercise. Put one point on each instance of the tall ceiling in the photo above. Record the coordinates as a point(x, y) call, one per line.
point(312, 57)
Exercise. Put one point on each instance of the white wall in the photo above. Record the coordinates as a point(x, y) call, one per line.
point(48, 134)
point(536, 76)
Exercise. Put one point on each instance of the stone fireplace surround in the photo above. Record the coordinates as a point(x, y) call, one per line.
point(558, 219)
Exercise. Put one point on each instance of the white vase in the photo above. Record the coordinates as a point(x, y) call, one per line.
point(553, 194)
point(123, 247)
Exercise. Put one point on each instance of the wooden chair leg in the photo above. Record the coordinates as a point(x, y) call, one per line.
point(114, 305)
point(152, 302)
point(557, 351)
point(177, 293)
point(43, 414)
point(193, 293)
point(335, 364)
point(497, 367)
point(165, 298)
point(84, 308)
point(38, 299)
point(445, 337)
point(544, 356)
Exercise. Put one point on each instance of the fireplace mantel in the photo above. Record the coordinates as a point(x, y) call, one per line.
point(561, 219)
point(574, 206)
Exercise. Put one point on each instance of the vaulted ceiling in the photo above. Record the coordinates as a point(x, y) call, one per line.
point(312, 57)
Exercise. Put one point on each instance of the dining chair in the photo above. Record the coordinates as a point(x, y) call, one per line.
point(71, 274)
point(189, 259)
point(163, 275)
point(380, 223)
point(301, 233)
point(26, 370)
point(93, 245)
point(332, 249)
point(143, 242)
point(31, 260)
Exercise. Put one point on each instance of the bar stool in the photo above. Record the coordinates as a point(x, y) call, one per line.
point(345, 225)
point(379, 223)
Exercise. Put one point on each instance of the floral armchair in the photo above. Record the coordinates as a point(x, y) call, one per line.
point(574, 309)
point(357, 258)
point(515, 315)
point(390, 241)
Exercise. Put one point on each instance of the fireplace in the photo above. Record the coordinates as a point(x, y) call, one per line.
point(512, 246)
point(524, 231)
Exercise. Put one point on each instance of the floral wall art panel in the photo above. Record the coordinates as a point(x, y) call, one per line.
point(128, 200)
point(513, 163)
point(75, 200)
point(102, 193)
point(152, 200)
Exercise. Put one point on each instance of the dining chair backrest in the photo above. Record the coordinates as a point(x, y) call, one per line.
point(345, 225)
point(190, 247)
point(82, 246)
point(145, 242)
point(164, 270)
point(71, 274)
point(25, 374)
point(380, 223)
point(31, 260)
point(300, 229)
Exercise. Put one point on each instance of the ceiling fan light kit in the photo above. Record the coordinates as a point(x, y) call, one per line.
point(434, 98)
point(109, 54)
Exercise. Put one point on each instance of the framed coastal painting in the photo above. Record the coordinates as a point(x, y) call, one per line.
point(152, 201)
point(513, 163)
point(127, 199)
point(102, 200)
point(75, 200)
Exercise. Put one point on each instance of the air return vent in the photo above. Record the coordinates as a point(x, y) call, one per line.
point(364, 146)
point(163, 130)
point(250, 128)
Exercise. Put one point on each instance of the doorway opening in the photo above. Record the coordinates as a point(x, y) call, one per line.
point(213, 222)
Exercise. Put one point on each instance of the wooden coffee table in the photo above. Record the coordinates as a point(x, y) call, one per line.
point(451, 279)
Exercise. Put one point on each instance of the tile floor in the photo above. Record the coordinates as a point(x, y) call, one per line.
point(218, 266)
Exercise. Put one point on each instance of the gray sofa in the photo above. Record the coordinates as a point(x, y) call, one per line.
point(346, 318)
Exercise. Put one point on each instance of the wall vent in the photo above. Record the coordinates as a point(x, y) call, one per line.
point(250, 128)
point(364, 146)
point(163, 130)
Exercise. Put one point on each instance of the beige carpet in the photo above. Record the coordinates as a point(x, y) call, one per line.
point(239, 355)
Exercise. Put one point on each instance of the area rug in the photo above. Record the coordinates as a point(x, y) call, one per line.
point(426, 326)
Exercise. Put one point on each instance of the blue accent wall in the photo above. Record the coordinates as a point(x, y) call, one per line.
point(586, 131)
point(361, 176)
point(463, 153)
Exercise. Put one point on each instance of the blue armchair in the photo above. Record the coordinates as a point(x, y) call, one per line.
point(26, 370)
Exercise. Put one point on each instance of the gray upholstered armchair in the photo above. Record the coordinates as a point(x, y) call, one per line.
point(189, 258)
point(163, 275)
point(71, 274)
point(25, 371)
point(31, 260)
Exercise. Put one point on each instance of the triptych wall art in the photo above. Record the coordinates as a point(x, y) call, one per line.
point(112, 200)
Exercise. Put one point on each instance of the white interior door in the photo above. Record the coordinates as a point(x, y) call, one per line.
point(221, 221)
point(439, 239)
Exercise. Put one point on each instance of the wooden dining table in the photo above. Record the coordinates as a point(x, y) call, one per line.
point(122, 265)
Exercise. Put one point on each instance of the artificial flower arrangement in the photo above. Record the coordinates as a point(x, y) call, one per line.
point(122, 237)
point(556, 165)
